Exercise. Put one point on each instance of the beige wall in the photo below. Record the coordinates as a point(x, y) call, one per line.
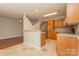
point(10, 28)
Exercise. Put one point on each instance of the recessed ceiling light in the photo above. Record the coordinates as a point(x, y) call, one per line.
point(36, 10)
point(20, 20)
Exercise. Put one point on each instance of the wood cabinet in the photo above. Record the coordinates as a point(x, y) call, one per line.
point(51, 33)
point(50, 25)
point(55, 23)
point(72, 15)
point(58, 23)
point(67, 46)
point(43, 38)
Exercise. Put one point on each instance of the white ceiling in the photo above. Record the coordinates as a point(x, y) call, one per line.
point(16, 10)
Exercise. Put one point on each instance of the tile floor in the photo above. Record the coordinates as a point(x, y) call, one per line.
point(24, 50)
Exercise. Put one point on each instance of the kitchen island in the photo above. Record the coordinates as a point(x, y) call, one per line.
point(67, 44)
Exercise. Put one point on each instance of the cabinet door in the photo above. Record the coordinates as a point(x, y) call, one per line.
point(61, 43)
point(43, 39)
point(72, 16)
point(58, 23)
point(52, 35)
point(72, 46)
point(50, 25)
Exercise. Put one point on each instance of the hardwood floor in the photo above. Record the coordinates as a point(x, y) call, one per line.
point(4, 43)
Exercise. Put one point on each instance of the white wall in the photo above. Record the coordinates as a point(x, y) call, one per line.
point(10, 28)
point(33, 38)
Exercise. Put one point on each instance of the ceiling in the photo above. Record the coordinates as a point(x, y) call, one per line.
point(32, 10)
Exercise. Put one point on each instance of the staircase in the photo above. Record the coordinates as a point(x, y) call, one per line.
point(29, 26)
point(32, 33)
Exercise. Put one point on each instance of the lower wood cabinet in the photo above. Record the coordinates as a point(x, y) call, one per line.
point(43, 39)
point(52, 35)
point(67, 46)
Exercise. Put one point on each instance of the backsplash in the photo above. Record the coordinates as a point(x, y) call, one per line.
point(61, 30)
point(65, 30)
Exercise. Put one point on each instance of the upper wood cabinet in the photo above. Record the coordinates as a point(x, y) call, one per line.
point(72, 15)
point(58, 23)
point(50, 25)
point(55, 23)
point(51, 33)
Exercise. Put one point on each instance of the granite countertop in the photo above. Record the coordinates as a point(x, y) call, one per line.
point(68, 34)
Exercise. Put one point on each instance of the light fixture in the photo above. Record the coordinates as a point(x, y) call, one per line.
point(20, 20)
point(50, 14)
point(36, 10)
